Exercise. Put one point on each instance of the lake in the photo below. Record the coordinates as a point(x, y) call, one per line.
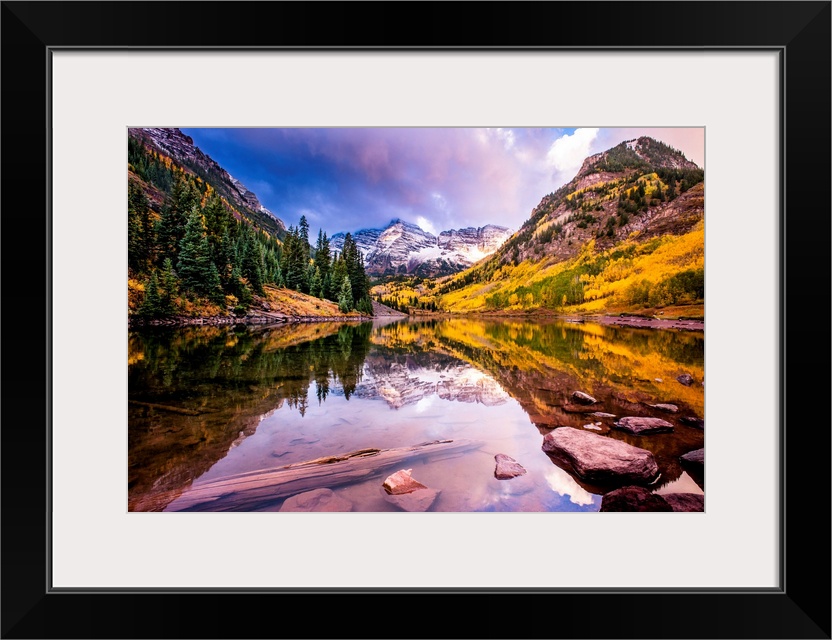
point(252, 418)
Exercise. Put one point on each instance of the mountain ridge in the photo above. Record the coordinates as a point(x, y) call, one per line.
point(180, 148)
point(402, 247)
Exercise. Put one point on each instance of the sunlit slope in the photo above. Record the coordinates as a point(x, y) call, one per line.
point(626, 234)
point(664, 271)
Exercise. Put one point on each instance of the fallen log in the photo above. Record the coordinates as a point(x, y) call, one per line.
point(168, 408)
point(246, 491)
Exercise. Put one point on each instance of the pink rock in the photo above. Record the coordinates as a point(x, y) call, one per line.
point(418, 500)
point(507, 467)
point(597, 458)
point(316, 500)
point(643, 426)
point(401, 482)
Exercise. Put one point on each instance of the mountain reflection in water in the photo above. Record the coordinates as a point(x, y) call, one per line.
point(206, 403)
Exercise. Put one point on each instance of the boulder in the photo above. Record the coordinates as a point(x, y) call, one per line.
point(594, 427)
point(643, 426)
point(695, 458)
point(583, 398)
point(633, 499)
point(401, 482)
point(686, 379)
point(693, 421)
point(401, 490)
point(685, 501)
point(507, 467)
point(669, 408)
point(600, 459)
point(601, 414)
point(316, 500)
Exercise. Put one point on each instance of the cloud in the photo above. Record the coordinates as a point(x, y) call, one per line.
point(563, 484)
point(426, 225)
point(346, 179)
point(567, 153)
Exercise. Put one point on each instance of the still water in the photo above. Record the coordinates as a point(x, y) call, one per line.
point(213, 409)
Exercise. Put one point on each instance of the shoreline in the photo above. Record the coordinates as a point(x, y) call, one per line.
point(622, 320)
point(182, 321)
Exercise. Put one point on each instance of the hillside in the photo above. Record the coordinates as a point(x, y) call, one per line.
point(625, 234)
point(171, 146)
point(201, 245)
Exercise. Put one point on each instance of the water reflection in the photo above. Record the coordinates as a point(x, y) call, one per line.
point(208, 403)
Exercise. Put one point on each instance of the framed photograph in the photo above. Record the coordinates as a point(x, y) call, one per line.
point(566, 185)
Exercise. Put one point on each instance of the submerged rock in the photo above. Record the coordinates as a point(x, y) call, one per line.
point(401, 490)
point(416, 501)
point(685, 501)
point(316, 500)
point(601, 414)
point(669, 408)
point(594, 427)
point(596, 458)
point(507, 467)
point(693, 421)
point(633, 499)
point(695, 458)
point(583, 398)
point(643, 426)
point(686, 379)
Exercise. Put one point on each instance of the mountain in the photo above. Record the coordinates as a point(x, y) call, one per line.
point(593, 244)
point(180, 148)
point(405, 248)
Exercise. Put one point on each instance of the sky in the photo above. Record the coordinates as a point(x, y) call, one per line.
point(347, 179)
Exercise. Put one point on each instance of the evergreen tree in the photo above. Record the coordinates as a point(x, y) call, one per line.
point(213, 286)
point(339, 272)
point(171, 226)
point(194, 264)
point(323, 260)
point(140, 233)
point(170, 287)
point(315, 288)
point(152, 304)
point(345, 300)
point(303, 239)
point(354, 263)
point(253, 266)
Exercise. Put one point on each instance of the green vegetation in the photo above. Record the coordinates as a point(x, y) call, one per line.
point(198, 254)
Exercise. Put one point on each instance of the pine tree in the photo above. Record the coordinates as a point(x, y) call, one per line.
point(152, 304)
point(354, 262)
point(140, 236)
point(171, 226)
point(170, 287)
point(339, 272)
point(315, 288)
point(213, 286)
point(323, 260)
point(345, 300)
point(303, 238)
point(195, 267)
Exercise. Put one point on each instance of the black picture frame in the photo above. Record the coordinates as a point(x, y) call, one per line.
point(800, 608)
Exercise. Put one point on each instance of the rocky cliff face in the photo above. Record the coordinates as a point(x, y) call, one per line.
point(405, 248)
point(181, 149)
